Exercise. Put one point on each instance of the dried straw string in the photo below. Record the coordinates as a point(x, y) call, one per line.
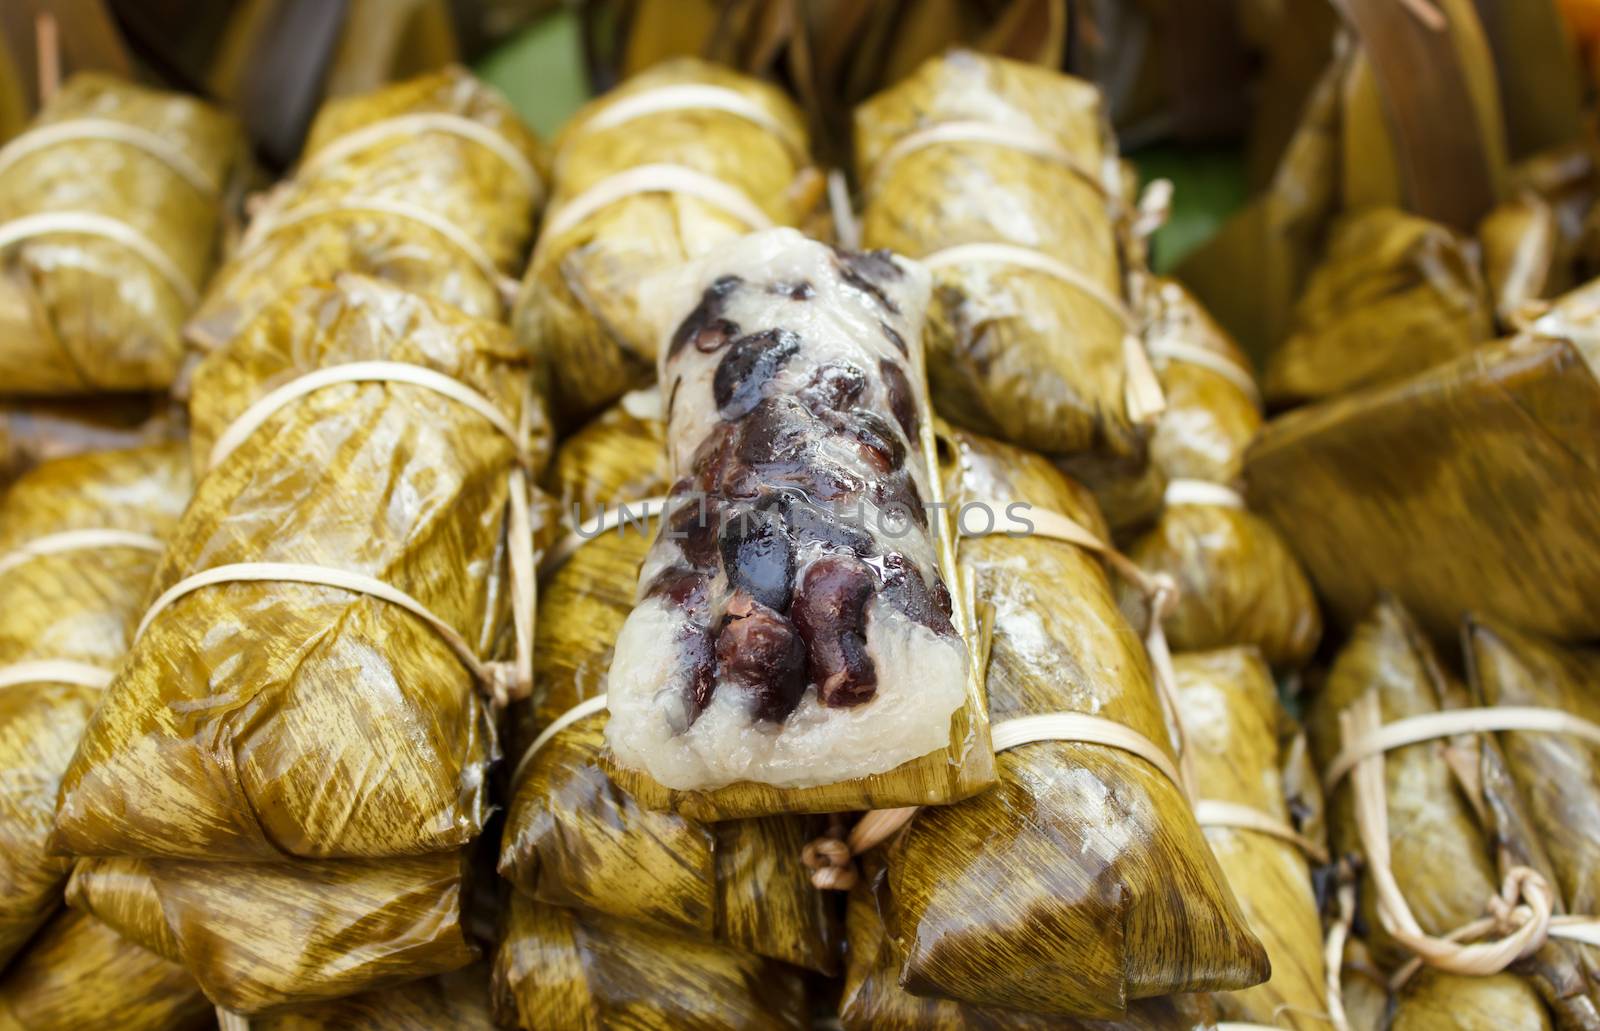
point(503, 682)
point(67, 671)
point(1201, 492)
point(831, 858)
point(1520, 916)
point(1025, 138)
point(1205, 358)
point(109, 130)
point(105, 227)
point(694, 96)
point(343, 147)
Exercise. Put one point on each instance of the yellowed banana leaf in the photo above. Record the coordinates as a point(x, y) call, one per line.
point(1434, 824)
point(1237, 581)
point(1536, 61)
point(1032, 356)
point(1565, 178)
point(1473, 487)
point(1503, 1002)
point(111, 207)
point(1554, 774)
point(1082, 882)
point(1129, 491)
point(572, 837)
point(1363, 988)
point(262, 937)
point(555, 969)
point(1393, 295)
point(874, 1001)
point(432, 184)
point(39, 431)
point(262, 720)
point(78, 974)
point(797, 644)
point(456, 1001)
point(1234, 727)
point(581, 309)
point(1521, 245)
point(77, 605)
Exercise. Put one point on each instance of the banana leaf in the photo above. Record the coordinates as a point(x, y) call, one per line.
point(1364, 989)
point(1502, 1002)
point(874, 1001)
point(1234, 727)
point(88, 311)
point(1393, 295)
point(457, 1001)
point(261, 937)
point(1237, 581)
point(557, 969)
point(581, 309)
point(263, 720)
point(39, 431)
point(339, 213)
point(572, 837)
point(1556, 776)
point(1013, 352)
point(78, 974)
point(77, 605)
point(795, 646)
point(1473, 487)
point(1441, 849)
point(1082, 882)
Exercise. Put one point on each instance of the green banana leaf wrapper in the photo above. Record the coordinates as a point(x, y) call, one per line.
point(1393, 295)
point(1238, 583)
point(457, 1001)
point(574, 838)
point(39, 430)
point(266, 720)
point(556, 968)
point(336, 214)
point(1442, 851)
point(1081, 882)
point(874, 1001)
point(265, 937)
point(1554, 777)
point(1237, 734)
point(78, 973)
point(1013, 352)
point(1474, 487)
point(78, 605)
point(580, 308)
point(83, 312)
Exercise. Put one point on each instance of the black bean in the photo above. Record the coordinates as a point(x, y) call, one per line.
point(834, 386)
point(705, 325)
point(867, 271)
point(894, 336)
point(901, 400)
point(760, 650)
point(694, 527)
point(758, 555)
point(809, 523)
point(830, 612)
point(795, 290)
point(906, 590)
point(745, 373)
point(683, 588)
point(697, 652)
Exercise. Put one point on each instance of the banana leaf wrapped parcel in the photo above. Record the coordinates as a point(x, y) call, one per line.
point(457, 1001)
point(1235, 731)
point(1238, 583)
point(666, 166)
point(1556, 776)
point(556, 968)
point(309, 680)
point(1474, 487)
point(432, 184)
point(572, 837)
point(1081, 883)
point(78, 973)
point(1394, 295)
point(1441, 852)
point(796, 645)
point(80, 539)
point(111, 207)
point(874, 1001)
point(1003, 178)
point(267, 937)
